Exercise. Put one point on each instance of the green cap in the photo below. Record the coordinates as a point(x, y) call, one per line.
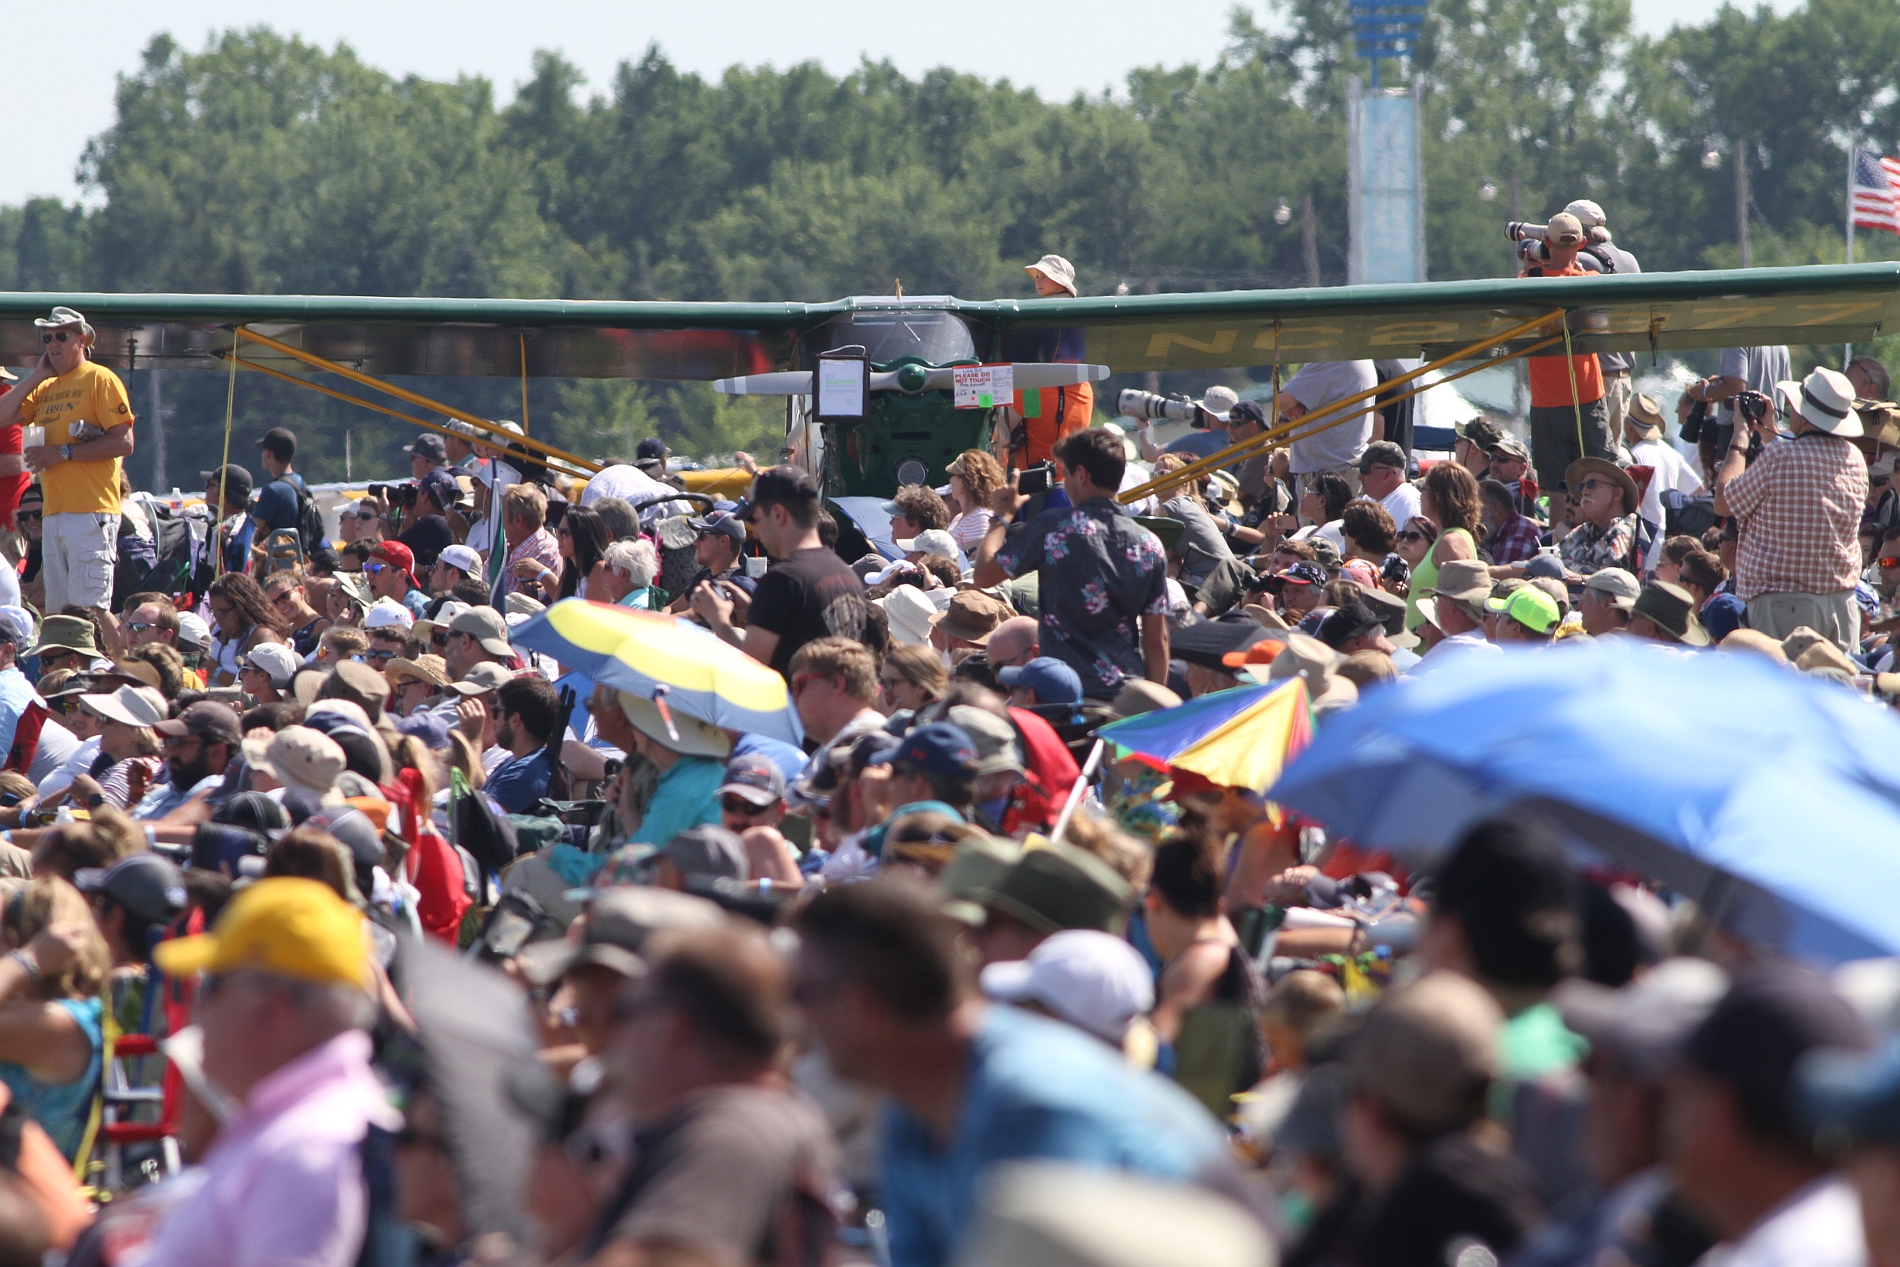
point(976, 865)
point(1529, 607)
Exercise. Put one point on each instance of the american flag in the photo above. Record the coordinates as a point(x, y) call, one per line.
point(1876, 191)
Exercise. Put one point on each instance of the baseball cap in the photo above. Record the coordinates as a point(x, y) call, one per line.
point(1543, 566)
point(932, 541)
point(1427, 1052)
point(1773, 1015)
point(460, 556)
point(353, 682)
point(720, 522)
point(237, 483)
point(938, 749)
point(193, 632)
point(16, 625)
point(707, 850)
point(279, 442)
point(429, 445)
point(619, 921)
point(753, 780)
point(778, 484)
point(1587, 213)
point(276, 660)
point(287, 926)
point(144, 883)
point(207, 719)
point(1302, 573)
point(484, 677)
point(1622, 587)
point(397, 555)
point(135, 706)
point(1095, 981)
point(1053, 681)
point(1352, 620)
point(1248, 411)
point(1528, 606)
point(651, 449)
point(428, 727)
point(1564, 229)
point(387, 613)
point(998, 749)
point(1644, 1024)
point(487, 627)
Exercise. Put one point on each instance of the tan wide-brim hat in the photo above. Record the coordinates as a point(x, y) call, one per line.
point(696, 738)
point(1645, 414)
point(1574, 475)
point(1056, 269)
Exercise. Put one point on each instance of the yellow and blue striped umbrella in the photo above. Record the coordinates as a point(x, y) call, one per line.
point(652, 655)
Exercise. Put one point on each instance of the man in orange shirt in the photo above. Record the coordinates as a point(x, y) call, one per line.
point(1569, 417)
point(88, 422)
point(1036, 420)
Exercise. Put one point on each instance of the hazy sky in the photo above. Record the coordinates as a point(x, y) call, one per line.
point(52, 103)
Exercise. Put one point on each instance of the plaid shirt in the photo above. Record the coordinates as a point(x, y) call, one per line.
point(1513, 542)
point(542, 548)
point(1799, 509)
point(1588, 548)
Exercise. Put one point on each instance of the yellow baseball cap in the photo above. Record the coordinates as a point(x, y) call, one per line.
point(287, 926)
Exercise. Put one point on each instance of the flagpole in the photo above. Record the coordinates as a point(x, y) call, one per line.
point(1853, 153)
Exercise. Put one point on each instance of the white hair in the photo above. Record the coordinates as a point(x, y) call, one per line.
point(636, 558)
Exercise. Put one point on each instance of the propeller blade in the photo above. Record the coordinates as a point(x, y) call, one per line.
point(786, 383)
point(1028, 376)
point(1033, 377)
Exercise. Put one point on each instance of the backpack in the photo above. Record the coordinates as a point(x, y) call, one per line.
point(316, 545)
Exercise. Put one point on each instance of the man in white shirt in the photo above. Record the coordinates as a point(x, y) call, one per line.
point(1743, 1161)
point(1642, 432)
point(1382, 478)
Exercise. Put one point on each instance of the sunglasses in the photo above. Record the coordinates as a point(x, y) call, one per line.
point(367, 516)
point(1589, 484)
point(379, 657)
point(374, 569)
point(738, 805)
point(440, 639)
point(1411, 536)
point(140, 626)
point(61, 335)
point(26, 514)
point(1890, 561)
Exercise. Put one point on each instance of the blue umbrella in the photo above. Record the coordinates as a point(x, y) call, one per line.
point(1768, 795)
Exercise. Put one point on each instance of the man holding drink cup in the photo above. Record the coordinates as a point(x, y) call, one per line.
point(77, 429)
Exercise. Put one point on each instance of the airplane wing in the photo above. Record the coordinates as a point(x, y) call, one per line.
point(658, 340)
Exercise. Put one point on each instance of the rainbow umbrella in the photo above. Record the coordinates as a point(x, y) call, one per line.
point(662, 657)
point(1158, 737)
point(1249, 749)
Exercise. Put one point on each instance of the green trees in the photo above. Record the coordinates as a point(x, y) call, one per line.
point(262, 163)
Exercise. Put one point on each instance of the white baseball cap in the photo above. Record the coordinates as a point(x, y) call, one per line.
point(387, 613)
point(1588, 213)
point(193, 632)
point(136, 706)
point(1093, 980)
point(279, 662)
point(932, 541)
point(461, 556)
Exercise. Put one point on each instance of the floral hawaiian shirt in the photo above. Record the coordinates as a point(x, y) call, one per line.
point(1589, 548)
point(1100, 573)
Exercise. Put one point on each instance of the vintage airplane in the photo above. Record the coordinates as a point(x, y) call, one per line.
point(908, 428)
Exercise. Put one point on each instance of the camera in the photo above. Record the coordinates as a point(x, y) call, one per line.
point(394, 496)
point(1148, 406)
point(1753, 406)
point(1035, 480)
point(1532, 247)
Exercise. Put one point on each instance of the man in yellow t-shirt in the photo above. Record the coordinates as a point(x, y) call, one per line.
point(88, 423)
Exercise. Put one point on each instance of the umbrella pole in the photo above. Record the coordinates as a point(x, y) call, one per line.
point(1082, 782)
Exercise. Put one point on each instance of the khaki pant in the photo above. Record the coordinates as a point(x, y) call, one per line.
point(1616, 396)
point(1835, 616)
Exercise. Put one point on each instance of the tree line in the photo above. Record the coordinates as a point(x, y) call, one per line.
point(260, 163)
